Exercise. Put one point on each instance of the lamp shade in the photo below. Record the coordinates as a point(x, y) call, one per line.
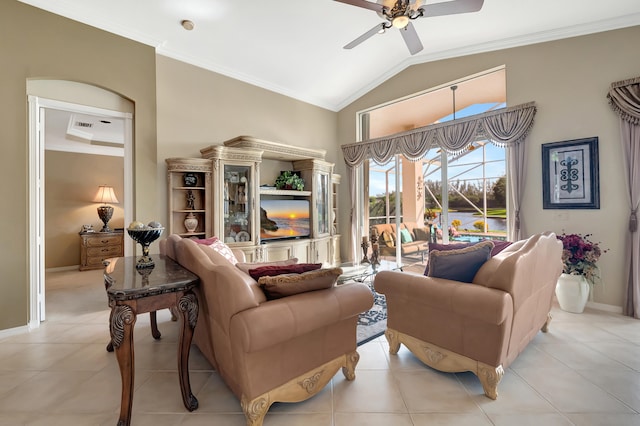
point(105, 195)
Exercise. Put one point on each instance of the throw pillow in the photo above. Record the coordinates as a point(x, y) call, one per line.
point(389, 239)
point(268, 271)
point(422, 234)
point(459, 264)
point(205, 241)
point(222, 249)
point(275, 287)
point(245, 266)
point(441, 247)
point(498, 246)
point(405, 236)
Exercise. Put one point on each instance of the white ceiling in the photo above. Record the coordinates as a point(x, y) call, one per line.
point(294, 47)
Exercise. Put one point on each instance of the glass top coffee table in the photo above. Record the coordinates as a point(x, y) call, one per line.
point(363, 271)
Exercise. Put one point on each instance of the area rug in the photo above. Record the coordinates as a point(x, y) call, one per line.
point(371, 324)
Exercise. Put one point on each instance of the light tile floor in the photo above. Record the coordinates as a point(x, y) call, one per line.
point(585, 371)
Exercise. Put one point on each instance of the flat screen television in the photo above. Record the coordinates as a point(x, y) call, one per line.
point(282, 219)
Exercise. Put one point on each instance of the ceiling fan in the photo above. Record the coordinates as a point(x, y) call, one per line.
point(400, 13)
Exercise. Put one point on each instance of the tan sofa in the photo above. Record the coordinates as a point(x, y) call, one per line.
point(481, 326)
point(266, 351)
point(388, 239)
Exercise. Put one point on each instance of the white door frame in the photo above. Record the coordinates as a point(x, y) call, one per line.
point(37, 105)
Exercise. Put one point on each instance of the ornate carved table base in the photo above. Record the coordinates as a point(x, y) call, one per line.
point(169, 286)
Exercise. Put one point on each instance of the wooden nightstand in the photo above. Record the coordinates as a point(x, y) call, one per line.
point(97, 246)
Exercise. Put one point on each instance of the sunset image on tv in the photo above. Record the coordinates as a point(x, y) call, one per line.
point(281, 219)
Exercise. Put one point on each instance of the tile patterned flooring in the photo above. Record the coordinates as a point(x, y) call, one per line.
point(585, 371)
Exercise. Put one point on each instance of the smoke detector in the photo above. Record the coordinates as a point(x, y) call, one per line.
point(188, 25)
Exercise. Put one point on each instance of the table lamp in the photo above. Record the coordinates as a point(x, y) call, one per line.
point(105, 195)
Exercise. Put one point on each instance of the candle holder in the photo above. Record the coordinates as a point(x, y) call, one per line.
point(374, 235)
point(375, 256)
point(375, 248)
point(365, 247)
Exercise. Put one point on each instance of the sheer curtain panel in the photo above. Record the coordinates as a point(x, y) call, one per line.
point(624, 98)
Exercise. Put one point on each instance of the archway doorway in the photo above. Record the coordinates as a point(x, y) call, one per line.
point(45, 112)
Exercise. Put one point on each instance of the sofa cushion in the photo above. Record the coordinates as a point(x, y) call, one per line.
point(285, 285)
point(405, 236)
point(269, 271)
point(460, 264)
point(221, 248)
point(245, 266)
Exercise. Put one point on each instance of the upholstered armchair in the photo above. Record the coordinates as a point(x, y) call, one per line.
point(480, 325)
point(285, 349)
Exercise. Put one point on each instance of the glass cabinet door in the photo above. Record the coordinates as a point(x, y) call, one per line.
point(322, 203)
point(238, 211)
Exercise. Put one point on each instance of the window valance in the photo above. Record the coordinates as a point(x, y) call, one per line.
point(624, 98)
point(501, 127)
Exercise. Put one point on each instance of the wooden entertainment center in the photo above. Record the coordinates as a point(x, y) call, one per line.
point(223, 192)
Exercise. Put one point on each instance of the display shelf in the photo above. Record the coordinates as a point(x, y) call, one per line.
point(189, 184)
point(284, 192)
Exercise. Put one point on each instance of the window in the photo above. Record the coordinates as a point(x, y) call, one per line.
point(475, 179)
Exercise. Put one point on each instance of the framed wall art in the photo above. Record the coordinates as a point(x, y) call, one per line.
point(570, 174)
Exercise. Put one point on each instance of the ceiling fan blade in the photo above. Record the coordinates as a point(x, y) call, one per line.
point(363, 3)
point(411, 38)
point(451, 7)
point(373, 31)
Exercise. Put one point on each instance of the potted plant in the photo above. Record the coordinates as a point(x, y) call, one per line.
point(289, 180)
point(579, 273)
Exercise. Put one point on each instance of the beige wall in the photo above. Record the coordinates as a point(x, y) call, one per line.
point(38, 44)
point(198, 108)
point(568, 80)
point(71, 182)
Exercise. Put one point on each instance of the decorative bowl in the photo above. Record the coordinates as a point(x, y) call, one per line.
point(144, 237)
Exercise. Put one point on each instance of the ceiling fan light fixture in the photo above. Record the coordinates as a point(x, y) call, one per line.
point(400, 21)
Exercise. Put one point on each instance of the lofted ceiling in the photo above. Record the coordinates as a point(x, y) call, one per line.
point(295, 47)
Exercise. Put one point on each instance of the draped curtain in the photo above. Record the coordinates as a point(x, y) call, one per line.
point(507, 128)
point(624, 98)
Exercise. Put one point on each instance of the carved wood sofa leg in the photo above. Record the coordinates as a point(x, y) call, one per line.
point(490, 377)
point(255, 410)
point(392, 338)
point(351, 360)
point(545, 326)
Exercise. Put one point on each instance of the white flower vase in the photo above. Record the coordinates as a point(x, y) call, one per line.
point(572, 292)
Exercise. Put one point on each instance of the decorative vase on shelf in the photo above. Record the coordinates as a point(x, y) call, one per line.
point(572, 292)
point(191, 222)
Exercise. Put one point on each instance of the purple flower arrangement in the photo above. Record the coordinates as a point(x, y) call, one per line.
point(579, 256)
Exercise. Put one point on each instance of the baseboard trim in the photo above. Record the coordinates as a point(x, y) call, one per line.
point(605, 307)
point(14, 331)
point(63, 268)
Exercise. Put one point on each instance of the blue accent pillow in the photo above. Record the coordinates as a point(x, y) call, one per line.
point(459, 264)
point(405, 236)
